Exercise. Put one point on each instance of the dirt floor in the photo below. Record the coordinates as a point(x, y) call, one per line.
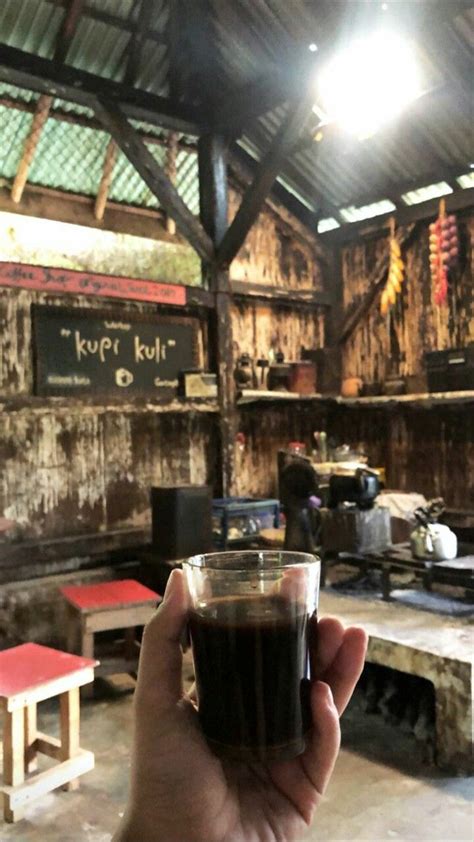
point(378, 791)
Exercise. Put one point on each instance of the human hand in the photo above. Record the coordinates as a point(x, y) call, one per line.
point(181, 792)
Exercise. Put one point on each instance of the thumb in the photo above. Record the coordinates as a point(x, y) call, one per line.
point(159, 683)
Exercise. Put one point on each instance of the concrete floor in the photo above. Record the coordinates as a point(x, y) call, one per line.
point(369, 797)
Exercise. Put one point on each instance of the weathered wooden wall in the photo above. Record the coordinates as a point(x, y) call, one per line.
point(426, 450)
point(277, 256)
point(70, 467)
point(73, 468)
point(90, 470)
point(258, 328)
point(396, 345)
point(275, 253)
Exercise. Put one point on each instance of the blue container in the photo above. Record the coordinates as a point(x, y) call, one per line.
point(237, 520)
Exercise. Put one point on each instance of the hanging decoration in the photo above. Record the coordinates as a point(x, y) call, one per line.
point(444, 250)
point(396, 273)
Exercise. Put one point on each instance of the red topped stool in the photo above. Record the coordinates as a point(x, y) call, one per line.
point(29, 674)
point(121, 604)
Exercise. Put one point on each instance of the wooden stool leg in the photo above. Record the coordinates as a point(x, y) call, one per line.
point(130, 646)
point(72, 622)
point(13, 756)
point(69, 705)
point(87, 651)
point(31, 762)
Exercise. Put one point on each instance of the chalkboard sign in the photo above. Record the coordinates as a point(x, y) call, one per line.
point(80, 351)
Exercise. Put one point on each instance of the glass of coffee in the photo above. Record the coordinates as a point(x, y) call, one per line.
point(252, 617)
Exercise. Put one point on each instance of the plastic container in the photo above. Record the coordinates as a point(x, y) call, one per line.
point(237, 520)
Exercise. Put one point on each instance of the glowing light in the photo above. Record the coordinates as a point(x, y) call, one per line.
point(328, 224)
point(313, 48)
point(384, 7)
point(423, 194)
point(318, 137)
point(466, 181)
point(369, 83)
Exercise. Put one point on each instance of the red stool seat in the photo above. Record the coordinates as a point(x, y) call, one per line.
point(25, 667)
point(108, 594)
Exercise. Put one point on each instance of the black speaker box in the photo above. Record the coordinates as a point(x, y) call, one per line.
point(181, 520)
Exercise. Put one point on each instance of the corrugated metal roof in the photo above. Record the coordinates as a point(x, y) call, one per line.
point(251, 38)
point(70, 157)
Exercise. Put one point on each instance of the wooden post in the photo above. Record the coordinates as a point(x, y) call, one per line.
point(31, 762)
point(69, 708)
point(214, 208)
point(106, 180)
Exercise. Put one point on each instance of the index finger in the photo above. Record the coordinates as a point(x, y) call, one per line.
point(337, 657)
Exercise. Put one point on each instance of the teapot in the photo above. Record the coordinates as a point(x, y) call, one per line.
point(434, 541)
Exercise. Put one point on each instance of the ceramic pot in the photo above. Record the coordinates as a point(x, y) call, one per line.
point(351, 387)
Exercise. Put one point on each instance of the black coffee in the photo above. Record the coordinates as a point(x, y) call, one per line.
point(252, 675)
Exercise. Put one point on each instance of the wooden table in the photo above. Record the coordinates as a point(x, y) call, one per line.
point(459, 572)
point(123, 604)
point(29, 674)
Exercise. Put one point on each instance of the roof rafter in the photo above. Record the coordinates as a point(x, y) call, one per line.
point(132, 145)
point(63, 42)
point(42, 75)
point(99, 15)
point(265, 175)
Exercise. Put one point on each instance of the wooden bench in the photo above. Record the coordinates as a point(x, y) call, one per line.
point(29, 674)
point(120, 604)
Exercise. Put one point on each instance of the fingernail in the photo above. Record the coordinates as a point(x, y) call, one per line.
point(169, 587)
point(325, 691)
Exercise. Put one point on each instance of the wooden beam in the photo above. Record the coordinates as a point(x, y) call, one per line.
point(101, 16)
point(31, 143)
point(376, 282)
point(458, 201)
point(187, 144)
point(79, 210)
point(131, 144)
point(68, 29)
point(176, 53)
point(266, 173)
point(280, 295)
point(43, 106)
point(212, 150)
point(137, 41)
point(170, 171)
point(445, 172)
point(293, 215)
point(44, 76)
point(106, 180)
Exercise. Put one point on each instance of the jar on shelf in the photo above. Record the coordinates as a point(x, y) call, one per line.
point(297, 448)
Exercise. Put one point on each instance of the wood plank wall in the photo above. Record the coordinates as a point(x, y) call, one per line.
point(76, 467)
point(79, 469)
point(426, 450)
point(276, 255)
point(396, 345)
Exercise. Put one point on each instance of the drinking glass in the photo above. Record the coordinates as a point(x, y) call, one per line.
point(252, 617)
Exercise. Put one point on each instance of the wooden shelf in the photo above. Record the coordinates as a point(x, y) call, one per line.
point(31, 405)
point(260, 395)
point(426, 399)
